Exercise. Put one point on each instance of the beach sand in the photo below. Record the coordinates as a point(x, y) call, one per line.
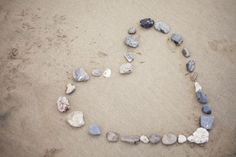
point(42, 42)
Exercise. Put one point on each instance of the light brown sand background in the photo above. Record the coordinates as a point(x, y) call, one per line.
point(53, 37)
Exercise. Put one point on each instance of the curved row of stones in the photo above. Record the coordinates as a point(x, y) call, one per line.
point(76, 118)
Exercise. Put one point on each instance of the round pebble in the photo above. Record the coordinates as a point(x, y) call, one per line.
point(181, 139)
point(94, 130)
point(190, 66)
point(63, 104)
point(154, 138)
point(112, 136)
point(132, 30)
point(132, 41)
point(144, 139)
point(169, 139)
point(146, 23)
point(76, 119)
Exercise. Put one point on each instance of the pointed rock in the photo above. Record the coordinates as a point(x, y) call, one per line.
point(80, 75)
point(70, 88)
point(144, 139)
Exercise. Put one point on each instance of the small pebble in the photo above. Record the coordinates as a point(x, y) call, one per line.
point(132, 30)
point(190, 66)
point(154, 138)
point(63, 104)
point(200, 136)
point(132, 41)
point(146, 23)
point(107, 73)
point(193, 76)
point(162, 27)
point(186, 52)
point(112, 136)
point(198, 87)
point(70, 88)
point(144, 139)
point(76, 119)
point(126, 68)
point(130, 139)
point(94, 130)
point(129, 57)
point(97, 72)
point(80, 75)
point(207, 121)
point(202, 97)
point(181, 139)
point(206, 109)
point(177, 39)
point(169, 139)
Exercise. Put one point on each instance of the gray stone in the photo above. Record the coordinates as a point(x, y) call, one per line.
point(201, 97)
point(126, 68)
point(146, 23)
point(76, 119)
point(70, 88)
point(130, 139)
point(112, 136)
point(132, 41)
point(132, 30)
point(154, 138)
point(206, 109)
point(80, 75)
point(63, 104)
point(162, 27)
point(97, 72)
point(186, 53)
point(190, 66)
point(95, 130)
point(200, 136)
point(207, 121)
point(169, 139)
point(177, 39)
point(144, 139)
point(129, 57)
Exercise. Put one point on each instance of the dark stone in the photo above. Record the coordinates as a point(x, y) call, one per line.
point(146, 23)
point(177, 39)
point(186, 52)
point(154, 138)
point(190, 66)
point(207, 121)
point(130, 139)
point(202, 97)
point(206, 109)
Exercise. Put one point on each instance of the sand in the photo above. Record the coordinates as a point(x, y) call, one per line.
point(42, 42)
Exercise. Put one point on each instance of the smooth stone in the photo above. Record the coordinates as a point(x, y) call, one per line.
point(80, 75)
point(200, 136)
point(130, 139)
point(97, 72)
point(194, 76)
point(162, 27)
point(207, 121)
point(181, 139)
point(144, 139)
point(154, 138)
point(169, 139)
point(146, 23)
point(63, 104)
point(190, 66)
point(126, 68)
point(132, 30)
point(76, 119)
point(186, 52)
point(202, 97)
point(206, 109)
point(112, 136)
point(132, 41)
point(129, 57)
point(95, 130)
point(70, 88)
point(177, 39)
point(198, 87)
point(107, 73)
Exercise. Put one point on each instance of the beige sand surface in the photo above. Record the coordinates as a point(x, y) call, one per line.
point(53, 37)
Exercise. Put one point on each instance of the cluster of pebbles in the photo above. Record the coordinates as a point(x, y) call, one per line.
point(199, 136)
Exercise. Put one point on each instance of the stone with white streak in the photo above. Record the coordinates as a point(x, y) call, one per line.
point(181, 139)
point(197, 87)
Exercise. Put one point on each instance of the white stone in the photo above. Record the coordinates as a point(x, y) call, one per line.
point(144, 139)
point(182, 139)
point(197, 87)
point(200, 136)
point(70, 88)
point(126, 68)
point(107, 73)
point(129, 57)
point(63, 104)
point(76, 119)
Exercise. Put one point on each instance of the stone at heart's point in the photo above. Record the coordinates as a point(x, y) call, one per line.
point(80, 75)
point(76, 119)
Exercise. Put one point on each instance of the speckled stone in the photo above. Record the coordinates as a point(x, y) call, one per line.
point(112, 136)
point(162, 27)
point(177, 39)
point(154, 138)
point(130, 139)
point(132, 41)
point(190, 66)
point(129, 57)
point(200, 136)
point(70, 88)
point(63, 104)
point(207, 121)
point(146, 23)
point(95, 130)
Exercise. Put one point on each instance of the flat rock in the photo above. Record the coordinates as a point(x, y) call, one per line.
point(169, 139)
point(97, 72)
point(129, 57)
point(70, 88)
point(190, 66)
point(207, 121)
point(198, 87)
point(146, 23)
point(200, 136)
point(181, 139)
point(126, 68)
point(144, 139)
point(206, 109)
point(186, 52)
point(107, 73)
point(132, 41)
point(95, 130)
point(201, 97)
point(80, 75)
point(162, 27)
point(76, 119)
point(130, 139)
point(177, 39)
point(154, 138)
point(132, 30)
point(112, 136)
point(63, 104)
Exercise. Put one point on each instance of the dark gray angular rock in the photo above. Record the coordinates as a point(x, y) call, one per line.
point(112, 136)
point(207, 121)
point(190, 66)
point(206, 109)
point(201, 97)
point(154, 138)
point(130, 139)
point(162, 27)
point(80, 75)
point(132, 41)
point(186, 53)
point(94, 130)
point(177, 39)
point(146, 23)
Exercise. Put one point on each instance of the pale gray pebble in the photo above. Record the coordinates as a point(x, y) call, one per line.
point(169, 139)
point(190, 66)
point(97, 72)
point(80, 75)
point(154, 138)
point(162, 27)
point(130, 139)
point(95, 130)
point(177, 39)
point(132, 41)
point(126, 68)
point(129, 57)
point(186, 52)
point(144, 139)
point(181, 139)
point(76, 119)
point(132, 30)
point(207, 121)
point(112, 136)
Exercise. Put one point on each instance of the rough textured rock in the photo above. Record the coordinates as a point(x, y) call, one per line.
point(95, 130)
point(181, 139)
point(190, 66)
point(207, 121)
point(202, 97)
point(146, 23)
point(154, 138)
point(169, 139)
point(162, 27)
point(200, 136)
point(80, 75)
point(177, 39)
point(70, 88)
point(107, 73)
point(97, 72)
point(126, 68)
point(129, 57)
point(186, 52)
point(130, 139)
point(132, 41)
point(198, 87)
point(206, 109)
point(193, 76)
point(112, 136)
point(144, 139)
point(132, 30)
point(63, 104)
point(76, 119)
